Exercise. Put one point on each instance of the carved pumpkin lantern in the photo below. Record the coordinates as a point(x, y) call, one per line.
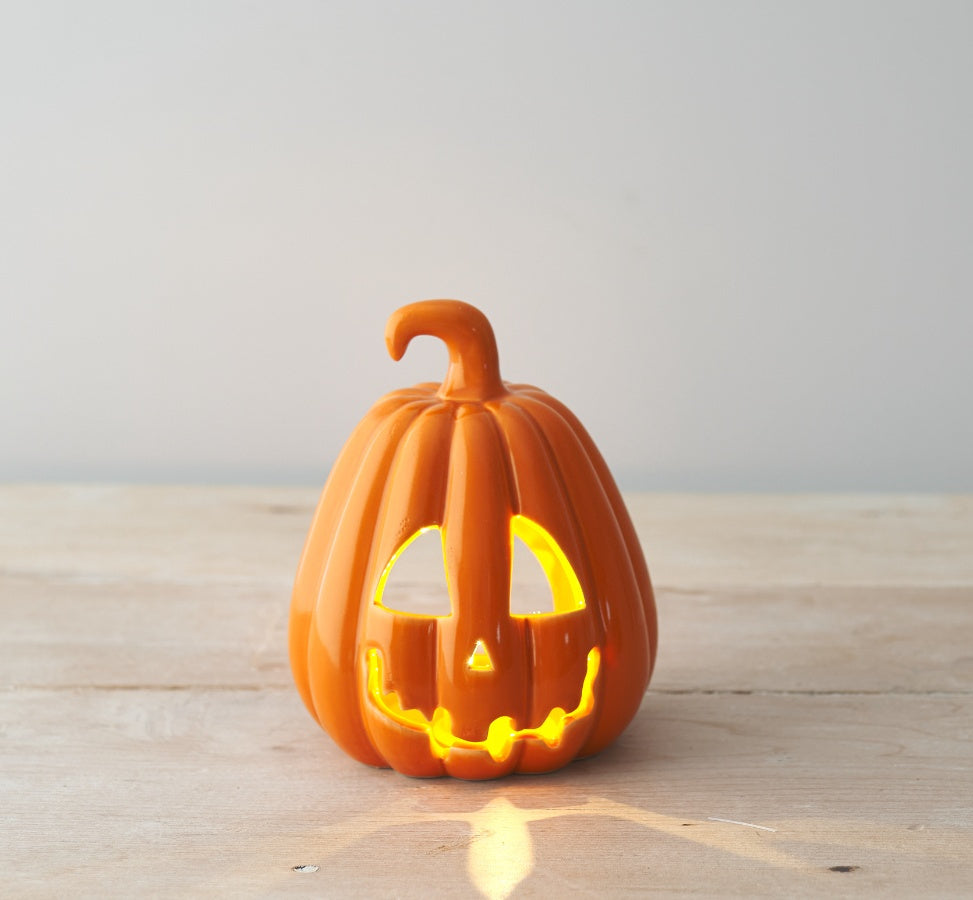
point(478, 690)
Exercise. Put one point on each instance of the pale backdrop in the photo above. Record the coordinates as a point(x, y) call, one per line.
point(735, 237)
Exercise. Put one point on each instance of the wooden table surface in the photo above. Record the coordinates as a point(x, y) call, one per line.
point(808, 731)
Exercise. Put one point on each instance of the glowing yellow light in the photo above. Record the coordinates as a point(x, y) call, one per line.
point(479, 659)
point(565, 587)
point(383, 580)
point(502, 732)
point(501, 853)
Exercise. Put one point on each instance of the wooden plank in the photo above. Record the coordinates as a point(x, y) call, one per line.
point(190, 792)
point(807, 731)
point(64, 633)
point(212, 634)
point(189, 586)
point(817, 639)
point(161, 534)
point(692, 542)
point(704, 541)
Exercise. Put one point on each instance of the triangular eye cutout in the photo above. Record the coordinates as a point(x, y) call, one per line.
point(542, 582)
point(530, 591)
point(414, 580)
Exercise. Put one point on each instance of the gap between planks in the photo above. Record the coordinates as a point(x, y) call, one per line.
point(678, 692)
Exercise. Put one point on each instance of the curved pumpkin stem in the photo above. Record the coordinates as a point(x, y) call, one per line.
point(474, 367)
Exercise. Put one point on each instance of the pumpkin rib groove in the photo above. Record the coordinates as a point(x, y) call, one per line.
point(565, 498)
point(388, 511)
point(617, 635)
point(496, 410)
point(400, 463)
point(380, 546)
point(476, 553)
point(510, 472)
point(343, 720)
point(325, 510)
point(646, 591)
point(570, 514)
point(327, 517)
point(585, 445)
point(416, 406)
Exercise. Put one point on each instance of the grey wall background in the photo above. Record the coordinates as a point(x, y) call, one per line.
point(735, 237)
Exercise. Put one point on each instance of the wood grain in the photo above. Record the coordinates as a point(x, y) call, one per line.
point(808, 732)
point(794, 639)
point(195, 791)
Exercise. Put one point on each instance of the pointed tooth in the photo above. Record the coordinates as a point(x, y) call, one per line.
point(441, 730)
point(500, 738)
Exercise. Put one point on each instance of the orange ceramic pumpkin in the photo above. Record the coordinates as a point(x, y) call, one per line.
point(480, 691)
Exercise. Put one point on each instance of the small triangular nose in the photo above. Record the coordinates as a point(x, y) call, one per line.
point(480, 659)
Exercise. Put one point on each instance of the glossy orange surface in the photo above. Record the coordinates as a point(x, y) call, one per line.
point(479, 692)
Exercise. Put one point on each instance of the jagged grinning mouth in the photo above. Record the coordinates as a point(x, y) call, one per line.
point(502, 733)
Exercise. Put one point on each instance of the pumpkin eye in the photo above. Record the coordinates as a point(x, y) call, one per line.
point(411, 582)
point(530, 591)
point(543, 581)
